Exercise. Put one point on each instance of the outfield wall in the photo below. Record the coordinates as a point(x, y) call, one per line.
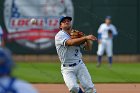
point(86, 58)
point(88, 15)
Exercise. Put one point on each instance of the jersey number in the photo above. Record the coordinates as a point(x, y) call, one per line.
point(76, 52)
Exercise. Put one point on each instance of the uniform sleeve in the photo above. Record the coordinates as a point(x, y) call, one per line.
point(61, 39)
point(100, 29)
point(100, 32)
point(114, 30)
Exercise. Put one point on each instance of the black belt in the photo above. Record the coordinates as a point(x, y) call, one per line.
point(71, 65)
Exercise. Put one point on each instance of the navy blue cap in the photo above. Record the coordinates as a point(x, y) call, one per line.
point(62, 18)
point(108, 17)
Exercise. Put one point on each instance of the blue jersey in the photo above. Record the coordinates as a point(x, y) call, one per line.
point(12, 85)
point(9, 88)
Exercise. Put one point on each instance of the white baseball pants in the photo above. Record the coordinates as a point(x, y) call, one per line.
point(78, 72)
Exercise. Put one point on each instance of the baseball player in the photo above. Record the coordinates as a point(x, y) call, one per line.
point(1, 37)
point(106, 32)
point(9, 84)
point(72, 66)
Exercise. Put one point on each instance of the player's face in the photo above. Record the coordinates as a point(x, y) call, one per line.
point(107, 21)
point(65, 24)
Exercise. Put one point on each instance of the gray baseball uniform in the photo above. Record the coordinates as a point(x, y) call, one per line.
point(72, 66)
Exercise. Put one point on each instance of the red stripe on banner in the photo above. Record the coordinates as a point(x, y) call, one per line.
point(32, 34)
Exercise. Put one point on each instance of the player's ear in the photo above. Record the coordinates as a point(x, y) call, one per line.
point(60, 27)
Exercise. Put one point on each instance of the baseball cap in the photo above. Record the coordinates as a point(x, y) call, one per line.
point(62, 18)
point(108, 17)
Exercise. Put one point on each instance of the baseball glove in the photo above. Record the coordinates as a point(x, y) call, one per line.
point(76, 34)
point(110, 33)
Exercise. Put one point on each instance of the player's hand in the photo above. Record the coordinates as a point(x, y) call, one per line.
point(91, 37)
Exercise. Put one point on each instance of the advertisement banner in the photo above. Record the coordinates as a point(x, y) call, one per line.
point(39, 36)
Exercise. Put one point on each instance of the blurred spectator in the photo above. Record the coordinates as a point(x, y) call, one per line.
point(8, 83)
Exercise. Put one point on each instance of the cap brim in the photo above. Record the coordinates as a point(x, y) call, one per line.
point(108, 17)
point(62, 19)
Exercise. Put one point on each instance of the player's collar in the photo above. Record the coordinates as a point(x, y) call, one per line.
point(65, 32)
point(108, 24)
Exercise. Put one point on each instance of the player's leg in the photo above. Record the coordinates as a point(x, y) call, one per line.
point(100, 52)
point(109, 51)
point(85, 79)
point(71, 80)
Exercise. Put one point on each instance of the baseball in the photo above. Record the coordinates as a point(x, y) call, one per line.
point(33, 21)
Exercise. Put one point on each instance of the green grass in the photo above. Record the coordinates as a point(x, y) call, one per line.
point(51, 73)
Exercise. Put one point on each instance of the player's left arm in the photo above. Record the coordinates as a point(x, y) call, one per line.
point(115, 33)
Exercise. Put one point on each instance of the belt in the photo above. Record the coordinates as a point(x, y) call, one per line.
point(71, 65)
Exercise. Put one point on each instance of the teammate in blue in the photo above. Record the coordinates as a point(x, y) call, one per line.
point(9, 84)
point(72, 66)
point(106, 32)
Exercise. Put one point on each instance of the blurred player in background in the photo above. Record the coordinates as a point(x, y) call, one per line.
point(106, 32)
point(72, 66)
point(9, 84)
point(1, 37)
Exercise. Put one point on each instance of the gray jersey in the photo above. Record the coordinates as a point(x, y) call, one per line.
point(67, 54)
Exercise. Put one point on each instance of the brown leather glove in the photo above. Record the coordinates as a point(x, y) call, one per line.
point(76, 34)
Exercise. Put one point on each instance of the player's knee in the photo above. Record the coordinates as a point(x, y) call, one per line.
point(74, 89)
point(99, 53)
point(109, 55)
